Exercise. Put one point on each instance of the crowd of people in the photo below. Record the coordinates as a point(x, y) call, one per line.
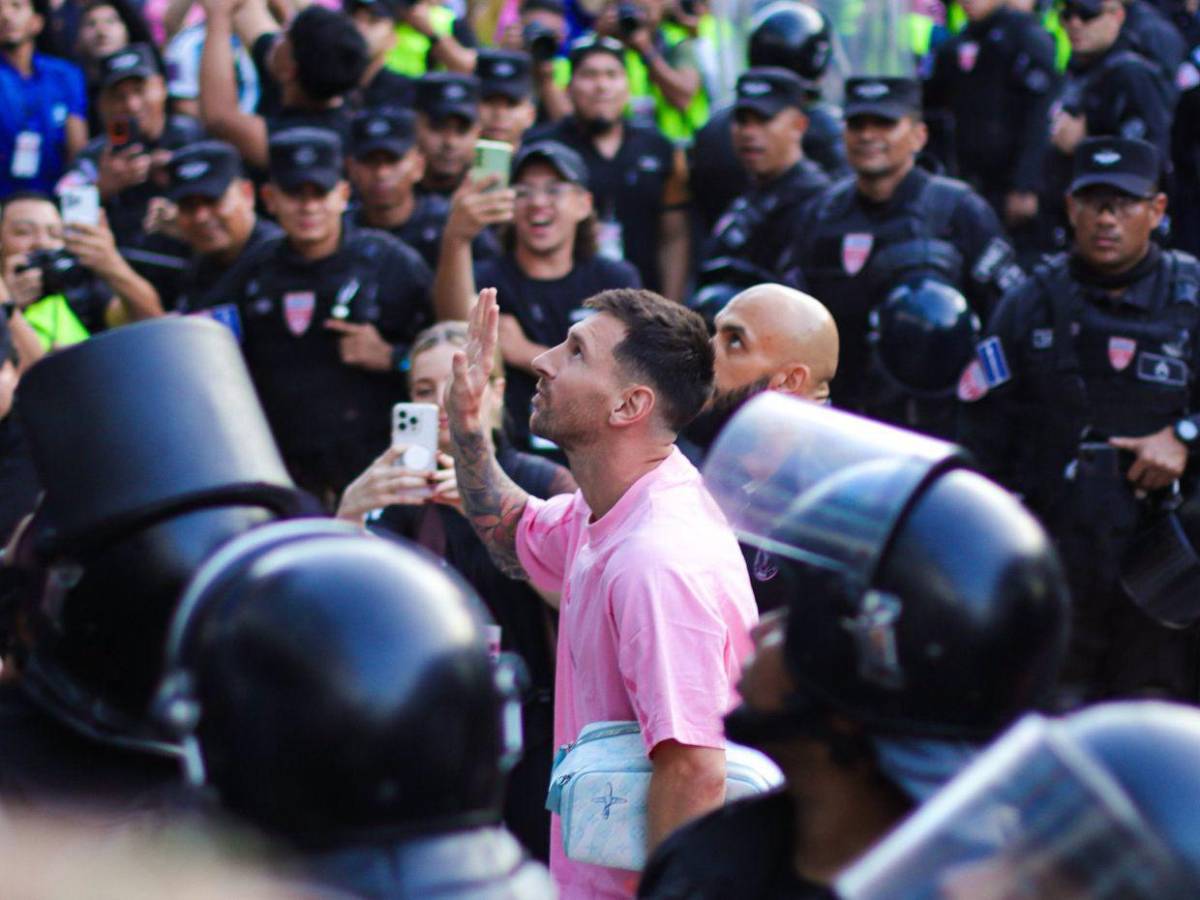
point(608, 264)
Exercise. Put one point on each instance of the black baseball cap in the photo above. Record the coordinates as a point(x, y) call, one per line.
point(504, 73)
point(205, 169)
point(563, 159)
point(886, 97)
point(382, 129)
point(768, 90)
point(383, 9)
point(135, 61)
point(444, 94)
point(300, 156)
point(1131, 166)
point(595, 43)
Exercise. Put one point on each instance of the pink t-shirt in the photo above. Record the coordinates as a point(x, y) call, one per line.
point(655, 615)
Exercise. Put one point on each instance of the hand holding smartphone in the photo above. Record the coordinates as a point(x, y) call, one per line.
point(415, 432)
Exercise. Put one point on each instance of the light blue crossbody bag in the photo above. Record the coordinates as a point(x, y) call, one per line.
point(598, 788)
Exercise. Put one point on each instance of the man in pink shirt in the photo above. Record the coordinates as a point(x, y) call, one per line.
point(655, 603)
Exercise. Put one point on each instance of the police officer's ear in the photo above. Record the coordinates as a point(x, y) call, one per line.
point(1158, 209)
point(245, 188)
point(919, 134)
point(797, 121)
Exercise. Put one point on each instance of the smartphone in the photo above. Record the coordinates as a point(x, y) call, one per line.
point(415, 427)
point(80, 204)
point(123, 132)
point(492, 158)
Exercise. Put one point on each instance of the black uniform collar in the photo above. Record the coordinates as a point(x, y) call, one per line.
point(1135, 285)
point(289, 256)
point(908, 189)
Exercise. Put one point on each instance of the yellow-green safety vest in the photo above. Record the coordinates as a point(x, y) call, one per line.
point(54, 322)
point(675, 124)
point(412, 47)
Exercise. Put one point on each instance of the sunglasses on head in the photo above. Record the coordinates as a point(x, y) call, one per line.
point(1077, 11)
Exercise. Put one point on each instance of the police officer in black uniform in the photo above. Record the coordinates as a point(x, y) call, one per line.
point(216, 217)
point(336, 690)
point(385, 166)
point(447, 127)
point(928, 611)
point(793, 36)
point(767, 125)
point(993, 83)
point(506, 102)
point(892, 219)
point(1084, 401)
point(327, 312)
point(1111, 89)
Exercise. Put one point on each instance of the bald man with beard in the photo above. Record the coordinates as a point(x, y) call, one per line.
point(768, 338)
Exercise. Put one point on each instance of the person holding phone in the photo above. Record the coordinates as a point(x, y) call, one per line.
point(426, 507)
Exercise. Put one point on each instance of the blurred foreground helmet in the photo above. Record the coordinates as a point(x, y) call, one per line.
point(153, 451)
point(332, 685)
point(791, 35)
point(923, 335)
point(929, 602)
point(1102, 805)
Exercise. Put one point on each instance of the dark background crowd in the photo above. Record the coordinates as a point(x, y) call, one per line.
point(996, 200)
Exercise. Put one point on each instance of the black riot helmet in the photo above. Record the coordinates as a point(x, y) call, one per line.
point(1101, 804)
point(929, 602)
point(332, 685)
point(923, 335)
point(719, 281)
point(791, 35)
point(153, 451)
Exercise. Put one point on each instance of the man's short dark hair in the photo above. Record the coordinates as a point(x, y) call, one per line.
point(330, 54)
point(666, 344)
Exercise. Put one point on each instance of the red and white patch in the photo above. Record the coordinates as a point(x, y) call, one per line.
point(972, 385)
point(1120, 352)
point(856, 248)
point(968, 52)
point(298, 309)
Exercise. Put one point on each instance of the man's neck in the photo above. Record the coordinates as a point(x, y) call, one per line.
point(546, 267)
point(318, 250)
point(765, 179)
point(879, 189)
point(391, 216)
point(839, 813)
point(608, 143)
point(20, 57)
point(372, 70)
point(605, 473)
point(292, 96)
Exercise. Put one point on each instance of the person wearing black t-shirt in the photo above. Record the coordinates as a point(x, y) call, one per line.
point(637, 177)
point(425, 507)
point(549, 267)
point(385, 166)
point(305, 73)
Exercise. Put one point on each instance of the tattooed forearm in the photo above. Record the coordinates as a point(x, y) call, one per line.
point(492, 503)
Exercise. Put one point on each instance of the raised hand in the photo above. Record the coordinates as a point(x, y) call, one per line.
point(473, 368)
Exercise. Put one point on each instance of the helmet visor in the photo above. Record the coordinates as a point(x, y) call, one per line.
point(816, 485)
point(1034, 816)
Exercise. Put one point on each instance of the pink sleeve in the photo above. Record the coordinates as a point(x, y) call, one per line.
point(675, 656)
point(543, 540)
